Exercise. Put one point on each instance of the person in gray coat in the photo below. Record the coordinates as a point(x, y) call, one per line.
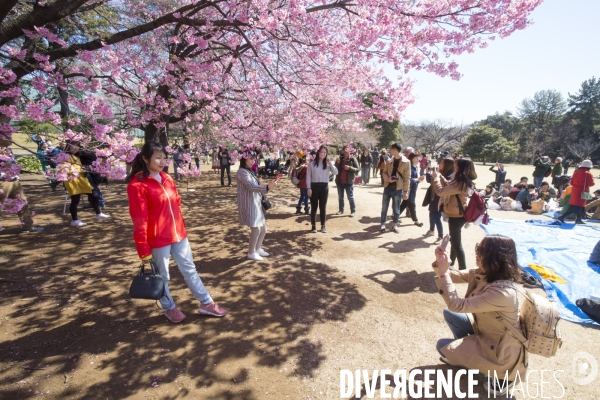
point(250, 193)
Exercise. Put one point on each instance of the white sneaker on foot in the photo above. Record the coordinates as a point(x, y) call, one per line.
point(382, 229)
point(428, 233)
point(396, 228)
point(262, 253)
point(102, 216)
point(254, 257)
point(77, 223)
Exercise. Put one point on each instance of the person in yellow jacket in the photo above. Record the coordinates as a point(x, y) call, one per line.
point(78, 186)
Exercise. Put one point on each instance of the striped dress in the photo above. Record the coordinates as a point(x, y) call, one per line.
point(249, 199)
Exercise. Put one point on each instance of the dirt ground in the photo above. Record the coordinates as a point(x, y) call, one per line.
point(353, 298)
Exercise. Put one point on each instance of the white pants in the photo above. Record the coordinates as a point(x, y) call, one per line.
point(257, 235)
point(182, 254)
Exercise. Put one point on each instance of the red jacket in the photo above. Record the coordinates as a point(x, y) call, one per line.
point(155, 210)
point(582, 180)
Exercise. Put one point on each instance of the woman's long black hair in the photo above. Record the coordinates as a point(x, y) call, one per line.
point(138, 164)
point(465, 173)
point(316, 162)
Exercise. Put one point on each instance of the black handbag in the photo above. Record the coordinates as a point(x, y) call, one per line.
point(266, 204)
point(147, 286)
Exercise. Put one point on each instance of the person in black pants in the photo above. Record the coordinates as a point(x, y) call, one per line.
point(415, 179)
point(454, 196)
point(317, 182)
point(224, 159)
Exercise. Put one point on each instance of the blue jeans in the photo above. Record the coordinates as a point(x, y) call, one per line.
point(365, 173)
point(460, 326)
point(396, 197)
point(422, 172)
point(95, 192)
point(182, 254)
point(537, 181)
point(176, 166)
point(349, 188)
point(303, 198)
point(435, 218)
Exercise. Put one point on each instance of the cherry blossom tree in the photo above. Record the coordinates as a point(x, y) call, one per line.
point(257, 71)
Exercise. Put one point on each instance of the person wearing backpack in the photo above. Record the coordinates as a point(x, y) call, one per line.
point(542, 166)
point(488, 344)
point(300, 174)
point(453, 198)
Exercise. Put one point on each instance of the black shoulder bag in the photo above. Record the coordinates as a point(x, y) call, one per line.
point(147, 286)
point(266, 204)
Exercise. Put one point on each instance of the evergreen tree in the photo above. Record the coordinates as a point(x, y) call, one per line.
point(584, 109)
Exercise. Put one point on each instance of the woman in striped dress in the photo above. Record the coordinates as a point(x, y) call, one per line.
point(250, 193)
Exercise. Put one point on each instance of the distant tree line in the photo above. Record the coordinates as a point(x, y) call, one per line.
point(546, 124)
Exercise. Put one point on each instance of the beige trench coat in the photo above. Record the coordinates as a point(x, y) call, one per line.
point(492, 348)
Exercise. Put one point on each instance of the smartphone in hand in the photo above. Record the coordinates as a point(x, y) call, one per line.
point(445, 242)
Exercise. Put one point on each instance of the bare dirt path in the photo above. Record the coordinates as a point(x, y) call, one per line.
point(353, 298)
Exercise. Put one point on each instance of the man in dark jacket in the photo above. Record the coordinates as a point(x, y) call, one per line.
point(347, 166)
point(500, 175)
point(542, 165)
point(375, 160)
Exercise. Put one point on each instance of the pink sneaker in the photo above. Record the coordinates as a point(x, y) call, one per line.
point(175, 315)
point(212, 309)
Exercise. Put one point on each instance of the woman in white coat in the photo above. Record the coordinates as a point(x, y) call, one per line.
point(250, 193)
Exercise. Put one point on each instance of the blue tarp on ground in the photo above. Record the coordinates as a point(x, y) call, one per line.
point(564, 249)
point(570, 219)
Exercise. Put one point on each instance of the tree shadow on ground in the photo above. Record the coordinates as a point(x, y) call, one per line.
point(66, 300)
point(405, 282)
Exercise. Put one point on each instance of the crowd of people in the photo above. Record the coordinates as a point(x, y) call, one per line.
point(159, 231)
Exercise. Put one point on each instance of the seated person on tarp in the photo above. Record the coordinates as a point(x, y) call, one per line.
point(512, 193)
point(595, 256)
point(481, 341)
point(526, 196)
point(592, 206)
point(505, 188)
point(546, 192)
point(488, 192)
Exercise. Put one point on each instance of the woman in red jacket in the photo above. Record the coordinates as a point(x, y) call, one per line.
point(159, 229)
point(582, 180)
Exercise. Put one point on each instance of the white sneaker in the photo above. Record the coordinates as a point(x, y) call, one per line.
point(254, 257)
point(77, 223)
point(396, 228)
point(438, 240)
point(428, 233)
point(262, 253)
point(382, 229)
point(102, 216)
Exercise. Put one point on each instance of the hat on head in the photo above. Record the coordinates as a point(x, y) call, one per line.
point(586, 164)
point(545, 157)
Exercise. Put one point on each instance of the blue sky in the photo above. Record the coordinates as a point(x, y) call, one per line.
point(559, 51)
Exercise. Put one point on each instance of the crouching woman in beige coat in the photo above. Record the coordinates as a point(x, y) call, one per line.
point(480, 340)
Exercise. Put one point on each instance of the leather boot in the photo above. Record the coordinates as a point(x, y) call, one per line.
point(307, 210)
point(298, 210)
